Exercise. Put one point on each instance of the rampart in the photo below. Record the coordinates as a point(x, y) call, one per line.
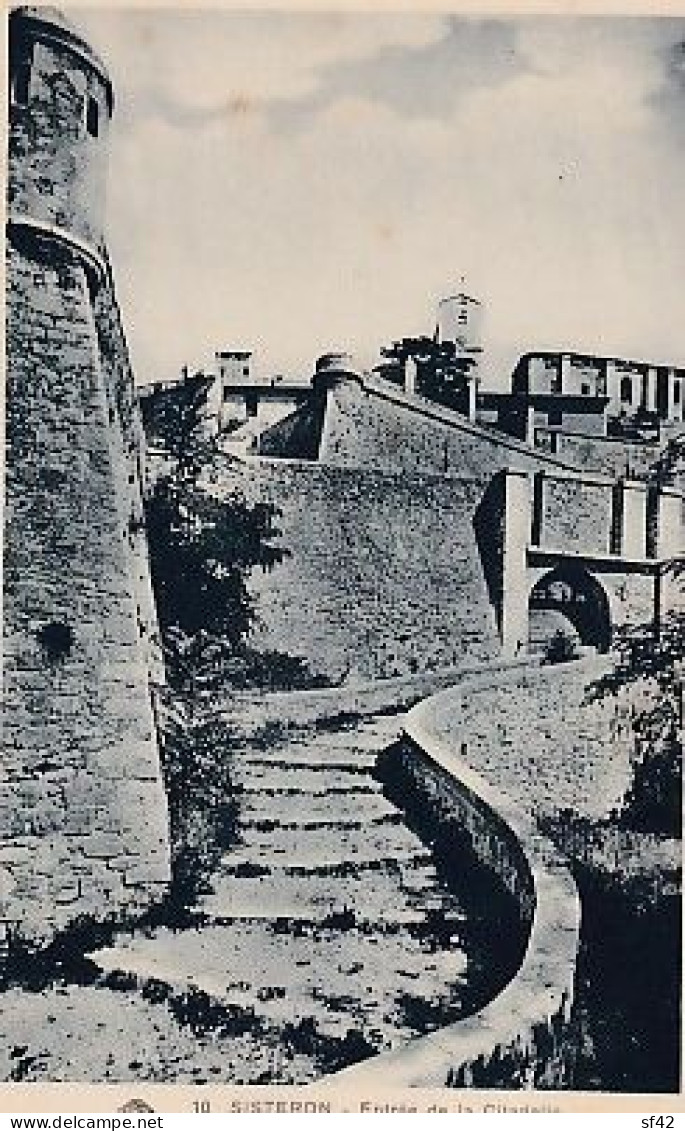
point(607, 455)
point(370, 423)
point(383, 576)
point(415, 537)
point(83, 824)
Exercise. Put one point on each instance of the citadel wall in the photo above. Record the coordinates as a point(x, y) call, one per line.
point(370, 423)
point(404, 554)
point(383, 576)
point(83, 823)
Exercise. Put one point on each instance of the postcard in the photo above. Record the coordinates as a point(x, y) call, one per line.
point(343, 574)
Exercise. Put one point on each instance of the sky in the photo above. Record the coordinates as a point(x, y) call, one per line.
point(294, 183)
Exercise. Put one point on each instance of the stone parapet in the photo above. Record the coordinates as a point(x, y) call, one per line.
point(504, 838)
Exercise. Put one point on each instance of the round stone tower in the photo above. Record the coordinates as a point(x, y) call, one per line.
point(83, 823)
point(60, 110)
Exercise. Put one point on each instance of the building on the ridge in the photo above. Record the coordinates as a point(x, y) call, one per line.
point(460, 320)
point(240, 398)
point(83, 825)
point(587, 395)
point(239, 404)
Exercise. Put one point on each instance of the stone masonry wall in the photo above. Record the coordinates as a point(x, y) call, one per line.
point(371, 423)
point(538, 737)
point(394, 536)
point(128, 439)
point(83, 828)
point(576, 514)
point(56, 174)
point(383, 576)
point(607, 456)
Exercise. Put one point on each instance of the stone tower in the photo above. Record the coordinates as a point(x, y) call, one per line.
point(83, 822)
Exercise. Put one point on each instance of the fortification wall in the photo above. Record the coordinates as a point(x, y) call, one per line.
point(608, 456)
point(576, 513)
point(370, 423)
point(128, 440)
point(83, 829)
point(383, 577)
point(395, 537)
point(83, 820)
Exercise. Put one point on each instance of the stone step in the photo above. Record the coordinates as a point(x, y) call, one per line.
point(338, 977)
point(328, 911)
point(364, 805)
point(386, 896)
point(265, 824)
point(317, 780)
point(336, 861)
point(303, 758)
point(328, 845)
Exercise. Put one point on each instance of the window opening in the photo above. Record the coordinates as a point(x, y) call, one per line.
point(92, 116)
point(21, 85)
point(626, 390)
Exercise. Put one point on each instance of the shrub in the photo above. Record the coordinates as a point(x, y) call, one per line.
point(652, 656)
point(653, 802)
point(560, 648)
point(202, 798)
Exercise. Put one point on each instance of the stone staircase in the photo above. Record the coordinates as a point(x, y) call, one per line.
point(329, 909)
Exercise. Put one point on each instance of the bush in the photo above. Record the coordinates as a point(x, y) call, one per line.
point(560, 648)
point(653, 803)
point(202, 798)
point(652, 657)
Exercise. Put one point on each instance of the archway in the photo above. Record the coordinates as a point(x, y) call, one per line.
point(570, 600)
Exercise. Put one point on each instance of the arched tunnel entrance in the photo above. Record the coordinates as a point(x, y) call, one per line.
point(570, 600)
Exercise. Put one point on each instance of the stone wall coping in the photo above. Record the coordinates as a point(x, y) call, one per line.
point(75, 245)
point(617, 441)
point(444, 415)
point(364, 697)
point(542, 987)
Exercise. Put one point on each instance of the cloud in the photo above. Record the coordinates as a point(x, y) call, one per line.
point(555, 184)
point(198, 63)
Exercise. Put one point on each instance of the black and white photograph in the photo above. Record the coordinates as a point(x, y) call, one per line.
point(343, 586)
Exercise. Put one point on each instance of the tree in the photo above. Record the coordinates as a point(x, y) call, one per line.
point(175, 417)
point(653, 801)
point(669, 466)
point(202, 547)
point(441, 369)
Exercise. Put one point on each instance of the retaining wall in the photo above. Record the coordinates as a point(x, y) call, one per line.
point(383, 576)
point(502, 1039)
point(393, 573)
point(604, 454)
